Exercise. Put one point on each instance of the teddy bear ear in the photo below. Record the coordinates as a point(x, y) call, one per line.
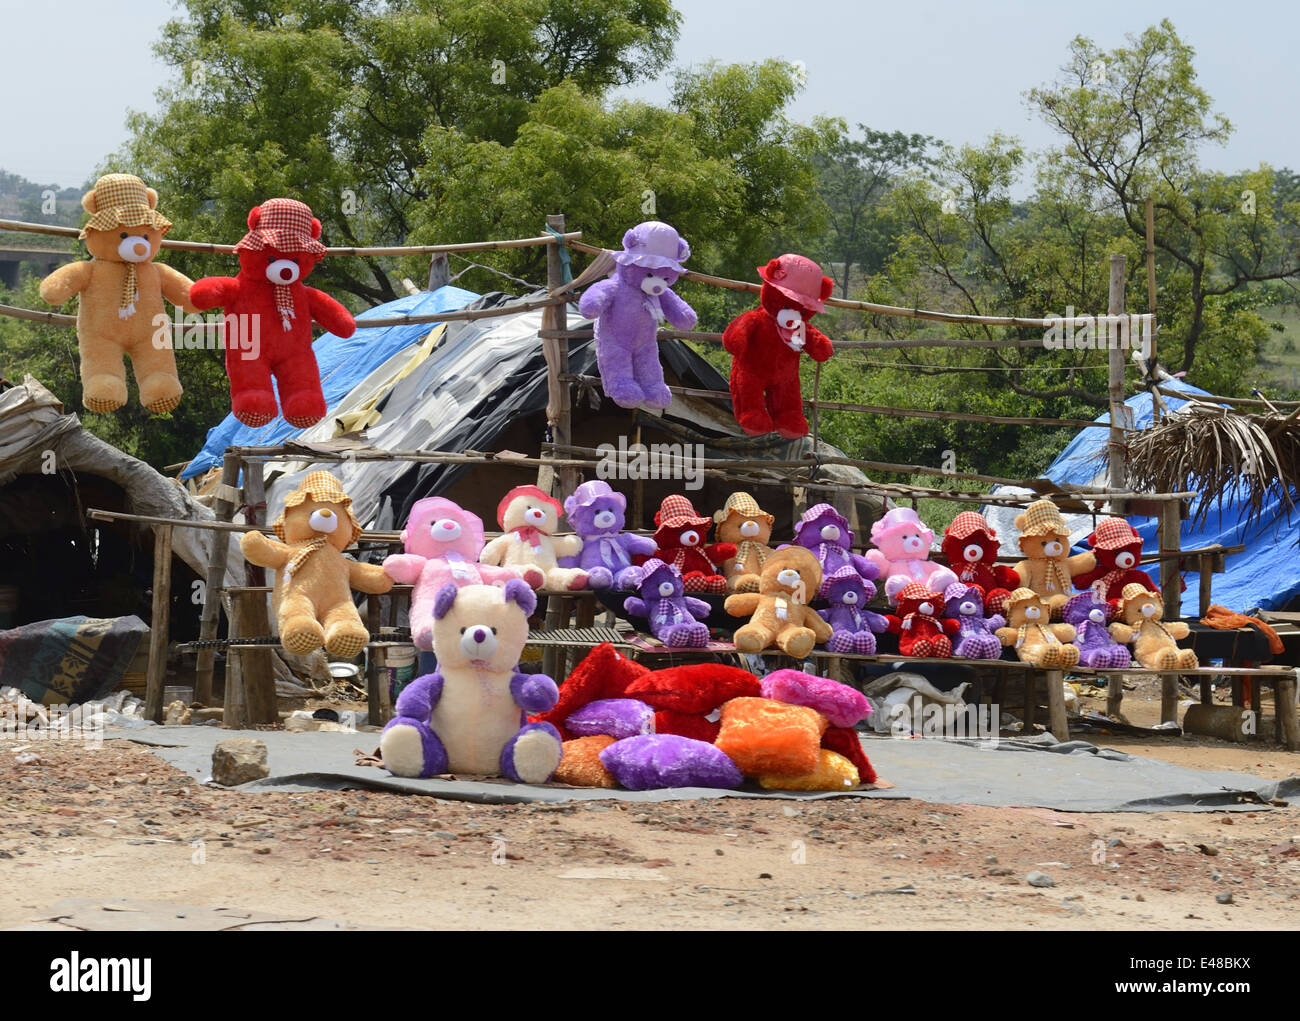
point(315, 227)
point(443, 601)
point(518, 591)
point(254, 215)
point(88, 202)
point(403, 536)
point(152, 198)
point(1019, 523)
point(828, 288)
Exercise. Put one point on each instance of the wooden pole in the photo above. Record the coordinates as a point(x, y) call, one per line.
point(224, 508)
point(1171, 526)
point(257, 665)
point(1157, 405)
point(562, 431)
point(1117, 473)
point(159, 624)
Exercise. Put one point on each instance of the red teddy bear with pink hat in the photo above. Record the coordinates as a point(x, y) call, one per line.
point(765, 344)
point(269, 312)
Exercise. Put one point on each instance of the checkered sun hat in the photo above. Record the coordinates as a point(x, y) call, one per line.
point(1114, 534)
point(324, 488)
point(286, 225)
point(1042, 517)
point(122, 200)
point(742, 505)
point(966, 524)
point(677, 511)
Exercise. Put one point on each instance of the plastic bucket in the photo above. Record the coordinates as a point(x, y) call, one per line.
point(399, 670)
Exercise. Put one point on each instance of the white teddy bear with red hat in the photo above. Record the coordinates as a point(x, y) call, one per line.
point(529, 519)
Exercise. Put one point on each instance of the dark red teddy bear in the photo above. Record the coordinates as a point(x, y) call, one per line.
point(765, 344)
point(680, 534)
point(920, 629)
point(1118, 549)
point(971, 547)
point(275, 257)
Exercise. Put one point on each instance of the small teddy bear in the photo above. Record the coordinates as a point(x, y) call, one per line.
point(825, 531)
point(443, 542)
point(597, 514)
point(528, 520)
point(971, 547)
point(853, 626)
point(901, 555)
point(1089, 612)
point(1118, 549)
point(1048, 568)
point(680, 537)
point(976, 637)
point(779, 614)
point(671, 613)
point(1030, 632)
point(921, 632)
point(470, 715)
point(748, 527)
point(312, 598)
point(629, 307)
point(1155, 642)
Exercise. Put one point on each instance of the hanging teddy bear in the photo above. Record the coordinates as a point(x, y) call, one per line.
point(629, 307)
point(765, 344)
point(122, 290)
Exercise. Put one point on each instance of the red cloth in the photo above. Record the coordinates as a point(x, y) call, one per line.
point(844, 741)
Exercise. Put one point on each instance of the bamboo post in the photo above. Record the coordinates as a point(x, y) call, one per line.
point(1056, 718)
point(257, 665)
point(1156, 404)
point(1171, 527)
point(1117, 473)
point(439, 276)
point(159, 624)
point(1284, 705)
point(562, 431)
point(224, 509)
point(234, 715)
point(1169, 698)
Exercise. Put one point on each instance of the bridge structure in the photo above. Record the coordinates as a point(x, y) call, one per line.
point(43, 260)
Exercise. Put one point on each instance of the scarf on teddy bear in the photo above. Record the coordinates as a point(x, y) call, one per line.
point(748, 547)
point(1023, 631)
point(301, 556)
point(915, 615)
point(130, 293)
point(611, 550)
point(1058, 577)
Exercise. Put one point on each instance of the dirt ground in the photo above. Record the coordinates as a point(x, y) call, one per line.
point(120, 822)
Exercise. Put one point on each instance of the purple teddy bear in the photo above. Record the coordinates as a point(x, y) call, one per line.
point(597, 514)
point(1089, 614)
point(854, 627)
point(825, 531)
point(975, 638)
point(672, 613)
point(628, 308)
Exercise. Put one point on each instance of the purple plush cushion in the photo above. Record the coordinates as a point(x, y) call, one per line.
point(617, 717)
point(654, 761)
point(842, 705)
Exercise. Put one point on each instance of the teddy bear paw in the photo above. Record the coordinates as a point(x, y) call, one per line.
point(160, 392)
point(102, 394)
point(799, 643)
point(755, 423)
point(302, 636)
point(791, 426)
point(346, 639)
point(657, 396)
point(254, 408)
point(303, 410)
point(626, 393)
point(600, 577)
point(409, 748)
point(687, 636)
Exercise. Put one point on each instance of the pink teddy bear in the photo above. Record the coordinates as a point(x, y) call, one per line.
point(443, 542)
point(902, 545)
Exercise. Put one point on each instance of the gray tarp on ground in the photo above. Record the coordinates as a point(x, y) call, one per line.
point(1039, 772)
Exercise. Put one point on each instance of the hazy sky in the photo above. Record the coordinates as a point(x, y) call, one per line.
point(955, 69)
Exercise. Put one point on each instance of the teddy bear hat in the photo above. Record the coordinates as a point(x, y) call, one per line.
point(589, 492)
point(322, 487)
point(654, 245)
point(1135, 590)
point(1020, 595)
point(532, 493)
point(968, 523)
point(742, 505)
point(798, 278)
point(1114, 534)
point(122, 200)
point(677, 511)
point(1042, 517)
point(286, 225)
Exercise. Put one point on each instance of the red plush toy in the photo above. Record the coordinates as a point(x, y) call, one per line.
point(765, 344)
point(1118, 549)
point(685, 697)
point(844, 741)
point(920, 630)
point(971, 547)
point(270, 334)
point(603, 673)
point(680, 534)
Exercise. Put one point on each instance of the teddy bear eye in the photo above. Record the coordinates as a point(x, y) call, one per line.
point(494, 630)
point(463, 630)
point(122, 235)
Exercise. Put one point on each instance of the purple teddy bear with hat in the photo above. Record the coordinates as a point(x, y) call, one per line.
point(628, 308)
point(670, 611)
point(825, 531)
point(1089, 613)
point(597, 514)
point(975, 637)
point(854, 627)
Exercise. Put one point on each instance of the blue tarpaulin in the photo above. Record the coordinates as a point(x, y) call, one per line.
point(343, 364)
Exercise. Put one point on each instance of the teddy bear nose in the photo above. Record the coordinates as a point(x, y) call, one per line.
point(967, 609)
point(534, 515)
point(912, 543)
point(665, 588)
point(1148, 609)
point(653, 285)
point(134, 248)
point(927, 608)
point(972, 553)
point(1033, 612)
point(446, 529)
point(1096, 616)
point(323, 520)
point(604, 519)
point(749, 529)
point(830, 533)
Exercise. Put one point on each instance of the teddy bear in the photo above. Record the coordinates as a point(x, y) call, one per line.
point(765, 344)
point(671, 613)
point(442, 544)
point(902, 544)
point(312, 596)
point(920, 629)
point(680, 538)
point(470, 715)
point(122, 290)
point(976, 637)
point(1048, 567)
point(528, 520)
point(744, 524)
point(1089, 613)
point(269, 297)
point(1118, 549)
point(971, 548)
point(597, 514)
point(825, 531)
point(779, 614)
point(853, 626)
point(1155, 642)
point(628, 308)
point(1030, 632)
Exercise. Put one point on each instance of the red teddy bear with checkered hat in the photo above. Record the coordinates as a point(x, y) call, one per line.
point(920, 629)
point(1118, 549)
point(680, 534)
point(971, 546)
point(272, 309)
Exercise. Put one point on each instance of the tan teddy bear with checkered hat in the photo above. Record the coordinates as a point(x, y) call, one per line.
point(1155, 642)
point(122, 291)
point(1048, 568)
point(1030, 632)
point(744, 524)
point(312, 598)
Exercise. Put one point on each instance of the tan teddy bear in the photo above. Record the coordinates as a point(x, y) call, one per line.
point(1031, 634)
point(314, 580)
point(743, 523)
point(122, 291)
point(1155, 643)
point(1048, 569)
point(779, 610)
